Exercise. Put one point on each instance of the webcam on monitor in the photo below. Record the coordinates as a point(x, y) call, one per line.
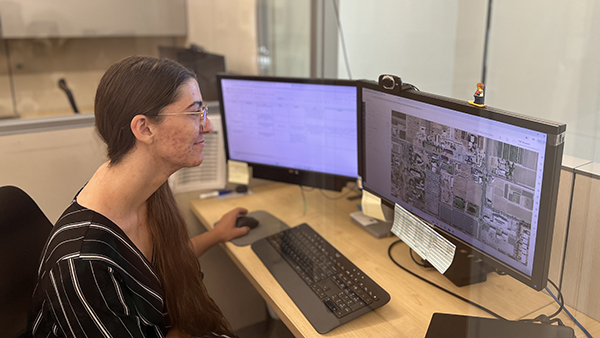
point(392, 83)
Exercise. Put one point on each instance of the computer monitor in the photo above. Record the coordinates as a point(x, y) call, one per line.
point(483, 177)
point(294, 130)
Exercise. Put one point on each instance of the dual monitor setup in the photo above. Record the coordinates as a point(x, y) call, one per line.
point(485, 178)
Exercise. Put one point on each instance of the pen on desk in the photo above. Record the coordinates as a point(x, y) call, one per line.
point(214, 193)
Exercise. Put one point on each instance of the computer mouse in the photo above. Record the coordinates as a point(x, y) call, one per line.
point(246, 221)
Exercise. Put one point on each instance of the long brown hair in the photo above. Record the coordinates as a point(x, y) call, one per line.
point(144, 86)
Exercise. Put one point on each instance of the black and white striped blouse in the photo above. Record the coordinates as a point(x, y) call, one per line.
point(94, 282)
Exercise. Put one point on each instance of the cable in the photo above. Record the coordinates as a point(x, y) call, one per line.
point(412, 86)
point(550, 319)
point(569, 313)
point(303, 189)
point(419, 264)
point(486, 41)
point(439, 287)
point(303, 198)
point(541, 318)
point(560, 296)
point(564, 253)
point(339, 197)
point(337, 16)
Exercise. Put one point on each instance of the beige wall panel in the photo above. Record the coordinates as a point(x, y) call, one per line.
point(560, 224)
point(226, 27)
point(588, 300)
point(51, 166)
point(582, 263)
point(579, 215)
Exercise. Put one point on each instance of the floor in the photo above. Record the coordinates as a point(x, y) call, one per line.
point(270, 328)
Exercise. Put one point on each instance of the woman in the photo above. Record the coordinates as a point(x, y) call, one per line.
point(119, 262)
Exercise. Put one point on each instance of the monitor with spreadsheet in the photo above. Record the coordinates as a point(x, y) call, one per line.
point(484, 177)
point(293, 130)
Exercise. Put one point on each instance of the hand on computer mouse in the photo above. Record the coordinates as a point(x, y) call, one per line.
point(246, 221)
point(226, 228)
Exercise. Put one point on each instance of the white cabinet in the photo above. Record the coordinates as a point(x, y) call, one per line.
point(92, 18)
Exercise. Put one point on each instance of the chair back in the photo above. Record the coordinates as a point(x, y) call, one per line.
point(23, 232)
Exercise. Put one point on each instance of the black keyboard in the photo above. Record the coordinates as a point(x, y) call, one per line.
point(328, 288)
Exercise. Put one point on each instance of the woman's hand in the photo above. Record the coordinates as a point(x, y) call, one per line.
point(225, 230)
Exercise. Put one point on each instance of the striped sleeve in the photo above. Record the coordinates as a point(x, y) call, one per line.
point(87, 299)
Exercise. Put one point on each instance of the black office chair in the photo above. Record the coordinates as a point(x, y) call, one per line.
point(23, 232)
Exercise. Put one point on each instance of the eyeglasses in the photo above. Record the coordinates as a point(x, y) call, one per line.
point(200, 114)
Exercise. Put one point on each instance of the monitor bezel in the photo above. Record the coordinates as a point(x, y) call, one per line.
point(550, 181)
point(300, 177)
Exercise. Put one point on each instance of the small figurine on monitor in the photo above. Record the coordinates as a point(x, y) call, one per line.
point(478, 96)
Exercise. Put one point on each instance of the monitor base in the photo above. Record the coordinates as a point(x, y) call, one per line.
point(375, 227)
point(466, 269)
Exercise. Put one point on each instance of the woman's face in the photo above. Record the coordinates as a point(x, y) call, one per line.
point(180, 138)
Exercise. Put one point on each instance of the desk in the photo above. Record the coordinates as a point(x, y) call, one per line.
point(413, 301)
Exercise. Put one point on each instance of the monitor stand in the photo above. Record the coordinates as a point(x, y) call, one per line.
point(466, 268)
point(377, 228)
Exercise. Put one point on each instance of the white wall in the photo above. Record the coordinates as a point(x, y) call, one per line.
point(290, 37)
point(51, 166)
point(542, 57)
point(415, 40)
point(543, 62)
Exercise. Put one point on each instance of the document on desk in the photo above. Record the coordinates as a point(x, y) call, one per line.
point(425, 241)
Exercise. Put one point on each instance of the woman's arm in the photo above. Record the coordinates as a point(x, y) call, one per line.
point(225, 230)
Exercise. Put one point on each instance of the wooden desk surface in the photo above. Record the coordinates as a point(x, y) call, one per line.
point(413, 301)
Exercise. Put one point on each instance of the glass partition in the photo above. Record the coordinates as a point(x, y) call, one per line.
point(37, 66)
point(540, 61)
point(538, 58)
point(541, 56)
point(48, 51)
point(6, 92)
point(543, 62)
point(437, 46)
